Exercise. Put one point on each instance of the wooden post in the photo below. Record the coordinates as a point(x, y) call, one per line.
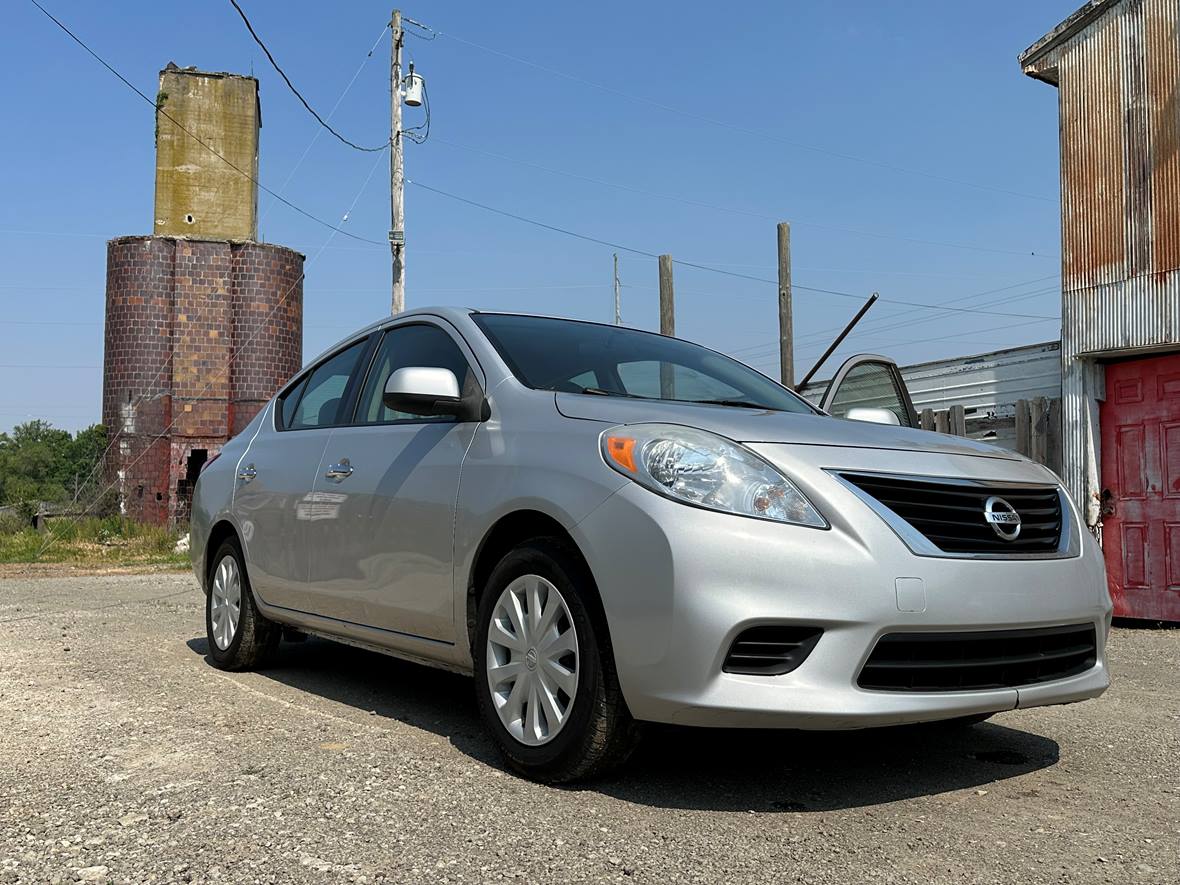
point(926, 419)
point(667, 323)
point(1053, 438)
point(942, 422)
point(1038, 422)
point(1022, 427)
point(397, 206)
point(786, 332)
point(958, 420)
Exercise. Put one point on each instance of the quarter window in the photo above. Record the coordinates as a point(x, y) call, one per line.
point(415, 345)
point(323, 393)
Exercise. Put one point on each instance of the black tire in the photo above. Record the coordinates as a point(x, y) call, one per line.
point(600, 734)
point(256, 637)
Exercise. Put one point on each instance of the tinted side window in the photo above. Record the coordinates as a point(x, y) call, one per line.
point(417, 345)
point(323, 393)
point(288, 403)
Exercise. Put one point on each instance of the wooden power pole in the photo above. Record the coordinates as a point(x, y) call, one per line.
point(667, 300)
point(786, 332)
point(397, 178)
point(667, 324)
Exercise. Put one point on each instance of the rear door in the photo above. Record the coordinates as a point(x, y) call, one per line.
point(382, 540)
point(273, 501)
point(870, 381)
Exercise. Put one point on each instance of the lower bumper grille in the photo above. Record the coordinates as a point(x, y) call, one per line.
point(975, 661)
point(771, 650)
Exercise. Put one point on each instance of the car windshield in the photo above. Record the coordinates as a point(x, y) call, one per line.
point(578, 357)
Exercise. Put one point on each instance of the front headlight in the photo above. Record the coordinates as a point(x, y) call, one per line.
point(707, 470)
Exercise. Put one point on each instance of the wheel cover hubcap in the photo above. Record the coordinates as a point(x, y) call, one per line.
point(225, 602)
point(532, 660)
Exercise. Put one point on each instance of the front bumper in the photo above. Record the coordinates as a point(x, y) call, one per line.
point(678, 584)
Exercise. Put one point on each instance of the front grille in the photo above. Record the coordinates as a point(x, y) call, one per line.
point(951, 515)
point(770, 650)
point(972, 661)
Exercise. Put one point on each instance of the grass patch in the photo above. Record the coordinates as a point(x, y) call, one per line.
point(110, 541)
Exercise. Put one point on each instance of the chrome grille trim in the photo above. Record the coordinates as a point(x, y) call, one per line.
point(1068, 545)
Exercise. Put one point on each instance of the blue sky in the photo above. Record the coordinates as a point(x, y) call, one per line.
point(901, 140)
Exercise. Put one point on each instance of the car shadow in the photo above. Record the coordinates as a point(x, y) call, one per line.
point(689, 768)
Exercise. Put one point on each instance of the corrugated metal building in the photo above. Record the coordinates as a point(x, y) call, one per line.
point(1115, 64)
point(986, 385)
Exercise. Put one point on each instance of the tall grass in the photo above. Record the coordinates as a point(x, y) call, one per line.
point(110, 540)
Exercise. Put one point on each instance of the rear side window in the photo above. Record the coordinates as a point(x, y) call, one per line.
point(322, 396)
point(416, 345)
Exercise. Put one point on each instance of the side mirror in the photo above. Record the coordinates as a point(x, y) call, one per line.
point(873, 416)
point(422, 390)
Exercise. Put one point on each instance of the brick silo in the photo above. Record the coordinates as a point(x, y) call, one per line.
point(203, 324)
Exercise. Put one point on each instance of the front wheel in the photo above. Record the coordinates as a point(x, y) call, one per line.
point(544, 670)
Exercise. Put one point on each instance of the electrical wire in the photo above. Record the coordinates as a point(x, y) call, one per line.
point(297, 93)
point(732, 210)
point(732, 126)
point(705, 267)
point(319, 130)
point(195, 137)
point(891, 322)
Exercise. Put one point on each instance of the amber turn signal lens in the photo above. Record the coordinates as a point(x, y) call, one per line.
point(622, 451)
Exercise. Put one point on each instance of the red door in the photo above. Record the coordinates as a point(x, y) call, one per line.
point(1140, 422)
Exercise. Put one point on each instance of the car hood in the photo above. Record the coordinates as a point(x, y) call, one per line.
point(766, 426)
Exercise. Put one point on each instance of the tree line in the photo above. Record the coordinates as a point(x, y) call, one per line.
point(40, 463)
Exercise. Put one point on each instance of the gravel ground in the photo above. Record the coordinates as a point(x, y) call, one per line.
point(125, 757)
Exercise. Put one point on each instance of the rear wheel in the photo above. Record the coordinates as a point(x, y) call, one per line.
point(545, 676)
point(239, 637)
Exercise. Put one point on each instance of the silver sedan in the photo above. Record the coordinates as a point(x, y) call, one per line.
point(609, 527)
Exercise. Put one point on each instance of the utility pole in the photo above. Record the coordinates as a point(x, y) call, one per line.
point(667, 299)
point(618, 303)
point(397, 177)
point(786, 331)
point(667, 324)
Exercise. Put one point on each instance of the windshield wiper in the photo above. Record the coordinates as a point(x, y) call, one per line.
point(598, 391)
point(739, 403)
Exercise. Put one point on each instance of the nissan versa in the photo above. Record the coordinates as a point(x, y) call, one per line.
point(609, 527)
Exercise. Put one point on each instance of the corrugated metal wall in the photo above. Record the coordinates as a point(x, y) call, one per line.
point(1120, 192)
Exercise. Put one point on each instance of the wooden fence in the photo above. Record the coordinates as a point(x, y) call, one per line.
point(1036, 424)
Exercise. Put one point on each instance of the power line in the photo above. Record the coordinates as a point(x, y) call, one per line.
point(297, 93)
point(891, 321)
point(705, 267)
point(730, 209)
point(814, 341)
point(331, 113)
point(735, 127)
point(195, 138)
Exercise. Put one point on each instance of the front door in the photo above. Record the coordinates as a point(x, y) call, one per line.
point(276, 474)
point(382, 546)
point(1140, 421)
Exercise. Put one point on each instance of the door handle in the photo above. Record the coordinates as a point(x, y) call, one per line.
point(247, 473)
point(339, 472)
